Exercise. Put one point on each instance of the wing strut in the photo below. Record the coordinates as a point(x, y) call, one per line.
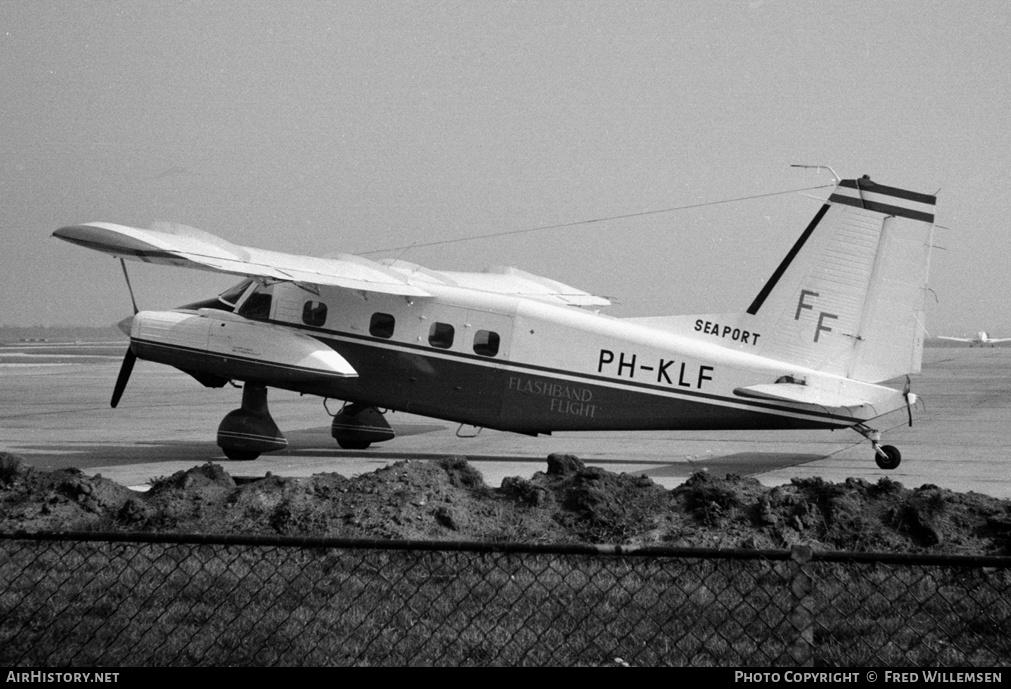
point(129, 287)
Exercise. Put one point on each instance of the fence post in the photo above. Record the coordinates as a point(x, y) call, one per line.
point(802, 615)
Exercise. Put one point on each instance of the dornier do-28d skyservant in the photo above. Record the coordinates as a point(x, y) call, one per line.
point(982, 339)
point(504, 349)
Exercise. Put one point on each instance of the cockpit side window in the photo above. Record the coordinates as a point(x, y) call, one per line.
point(257, 306)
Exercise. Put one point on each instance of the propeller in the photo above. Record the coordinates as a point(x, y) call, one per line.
point(130, 358)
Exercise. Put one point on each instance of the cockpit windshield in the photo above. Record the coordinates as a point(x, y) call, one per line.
point(247, 301)
point(231, 295)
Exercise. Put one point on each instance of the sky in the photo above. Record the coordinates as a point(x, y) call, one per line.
point(356, 127)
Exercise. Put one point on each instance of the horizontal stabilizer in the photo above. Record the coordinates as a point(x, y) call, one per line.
point(811, 398)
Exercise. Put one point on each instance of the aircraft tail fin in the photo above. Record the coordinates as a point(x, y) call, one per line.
point(849, 297)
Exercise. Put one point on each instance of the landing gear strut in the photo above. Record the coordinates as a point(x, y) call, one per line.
point(245, 433)
point(886, 456)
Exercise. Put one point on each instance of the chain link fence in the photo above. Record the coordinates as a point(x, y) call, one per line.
point(128, 599)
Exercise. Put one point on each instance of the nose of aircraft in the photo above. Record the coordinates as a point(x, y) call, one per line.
point(125, 325)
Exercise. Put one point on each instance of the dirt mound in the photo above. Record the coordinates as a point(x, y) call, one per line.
point(54, 500)
point(569, 502)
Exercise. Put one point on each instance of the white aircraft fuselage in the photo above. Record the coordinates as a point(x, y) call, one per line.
point(556, 368)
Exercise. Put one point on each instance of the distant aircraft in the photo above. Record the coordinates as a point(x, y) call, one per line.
point(981, 339)
point(512, 351)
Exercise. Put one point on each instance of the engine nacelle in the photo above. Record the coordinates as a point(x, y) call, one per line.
point(226, 345)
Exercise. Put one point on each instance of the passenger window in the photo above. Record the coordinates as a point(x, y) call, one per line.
point(440, 335)
point(382, 325)
point(256, 307)
point(314, 313)
point(486, 343)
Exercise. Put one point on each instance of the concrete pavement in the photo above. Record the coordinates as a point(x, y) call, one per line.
point(54, 411)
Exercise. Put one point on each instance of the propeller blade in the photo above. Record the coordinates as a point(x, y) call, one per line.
point(124, 375)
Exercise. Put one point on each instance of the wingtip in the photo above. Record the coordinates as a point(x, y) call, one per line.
point(65, 232)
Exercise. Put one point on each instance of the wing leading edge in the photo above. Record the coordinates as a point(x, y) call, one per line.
point(178, 245)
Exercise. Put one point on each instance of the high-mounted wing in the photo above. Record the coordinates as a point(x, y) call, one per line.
point(179, 245)
point(955, 339)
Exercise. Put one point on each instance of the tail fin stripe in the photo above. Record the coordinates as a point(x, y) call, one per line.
point(771, 283)
point(885, 208)
point(869, 186)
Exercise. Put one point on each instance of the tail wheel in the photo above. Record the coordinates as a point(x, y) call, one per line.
point(891, 458)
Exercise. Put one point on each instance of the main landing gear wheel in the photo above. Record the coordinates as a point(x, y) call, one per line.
point(249, 431)
point(888, 457)
point(356, 427)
